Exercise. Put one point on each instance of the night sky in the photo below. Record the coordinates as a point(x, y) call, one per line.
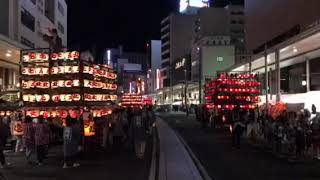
point(109, 23)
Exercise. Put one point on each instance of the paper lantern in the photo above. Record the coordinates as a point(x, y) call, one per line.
point(89, 129)
point(33, 113)
point(17, 128)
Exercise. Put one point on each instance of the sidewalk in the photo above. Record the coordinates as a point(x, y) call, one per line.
point(222, 162)
point(174, 162)
point(99, 165)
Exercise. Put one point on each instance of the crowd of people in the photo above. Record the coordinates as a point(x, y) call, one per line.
point(125, 128)
point(291, 133)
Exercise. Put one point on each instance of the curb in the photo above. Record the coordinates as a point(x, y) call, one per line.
point(196, 161)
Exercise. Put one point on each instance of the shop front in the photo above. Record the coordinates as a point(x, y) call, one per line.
point(9, 74)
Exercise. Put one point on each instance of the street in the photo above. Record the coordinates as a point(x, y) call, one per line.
point(221, 162)
point(98, 165)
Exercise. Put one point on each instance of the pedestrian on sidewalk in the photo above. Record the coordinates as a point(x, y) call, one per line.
point(139, 134)
point(151, 119)
point(300, 142)
point(29, 138)
point(4, 134)
point(42, 139)
point(71, 140)
point(117, 131)
point(316, 139)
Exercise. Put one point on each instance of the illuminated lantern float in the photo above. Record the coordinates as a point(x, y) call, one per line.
point(131, 100)
point(229, 90)
point(60, 84)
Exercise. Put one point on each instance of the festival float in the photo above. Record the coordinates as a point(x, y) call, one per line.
point(230, 90)
point(131, 100)
point(60, 84)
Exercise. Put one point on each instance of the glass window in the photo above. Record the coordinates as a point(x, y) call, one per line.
point(49, 10)
point(315, 74)
point(60, 27)
point(293, 78)
point(60, 8)
point(27, 42)
point(27, 19)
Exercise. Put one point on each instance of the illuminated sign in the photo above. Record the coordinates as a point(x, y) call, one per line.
point(180, 63)
point(158, 79)
point(184, 4)
point(219, 59)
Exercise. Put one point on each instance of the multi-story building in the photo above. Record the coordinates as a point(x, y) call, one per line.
point(111, 56)
point(130, 66)
point(265, 20)
point(216, 29)
point(176, 36)
point(153, 73)
point(23, 23)
point(286, 50)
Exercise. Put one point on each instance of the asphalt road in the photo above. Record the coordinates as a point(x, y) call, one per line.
point(99, 165)
point(222, 162)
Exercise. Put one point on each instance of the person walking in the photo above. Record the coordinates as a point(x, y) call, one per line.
point(237, 118)
point(4, 134)
point(117, 131)
point(139, 134)
point(42, 139)
point(71, 140)
point(29, 138)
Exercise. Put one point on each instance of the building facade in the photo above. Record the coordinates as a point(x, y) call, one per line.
point(293, 76)
point(153, 73)
point(176, 36)
point(23, 23)
point(276, 20)
point(185, 66)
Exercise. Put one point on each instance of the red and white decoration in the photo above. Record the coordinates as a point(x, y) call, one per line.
point(99, 85)
point(36, 98)
point(66, 97)
point(231, 90)
point(99, 97)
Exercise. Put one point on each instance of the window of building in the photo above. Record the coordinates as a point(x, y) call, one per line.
point(60, 8)
point(163, 73)
point(33, 1)
point(27, 19)
point(292, 78)
point(49, 10)
point(165, 64)
point(60, 27)
point(315, 74)
point(27, 42)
